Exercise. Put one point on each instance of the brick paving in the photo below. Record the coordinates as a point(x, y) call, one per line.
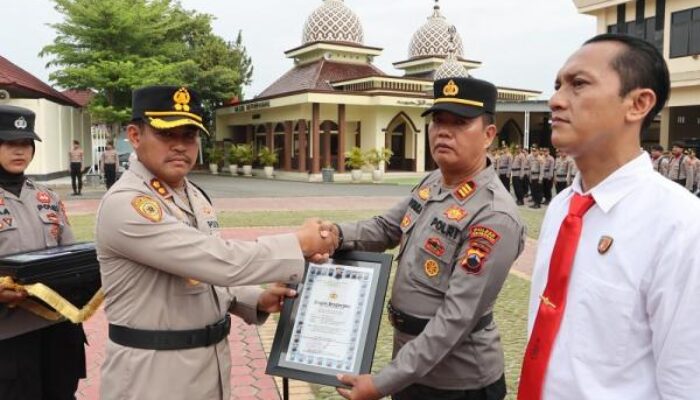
point(250, 345)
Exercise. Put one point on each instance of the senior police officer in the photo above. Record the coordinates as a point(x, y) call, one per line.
point(39, 359)
point(167, 275)
point(459, 232)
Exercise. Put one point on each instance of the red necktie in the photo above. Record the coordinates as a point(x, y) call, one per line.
point(552, 301)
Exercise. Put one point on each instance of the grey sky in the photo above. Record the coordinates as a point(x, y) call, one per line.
point(521, 43)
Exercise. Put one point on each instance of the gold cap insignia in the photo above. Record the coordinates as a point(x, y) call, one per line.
point(182, 100)
point(148, 208)
point(451, 89)
point(432, 268)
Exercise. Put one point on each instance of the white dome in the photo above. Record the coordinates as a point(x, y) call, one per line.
point(451, 68)
point(333, 22)
point(433, 38)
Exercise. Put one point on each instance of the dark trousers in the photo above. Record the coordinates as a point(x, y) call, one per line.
point(76, 177)
point(560, 186)
point(526, 185)
point(536, 189)
point(680, 182)
point(547, 190)
point(505, 180)
point(518, 188)
point(45, 364)
point(110, 174)
point(494, 391)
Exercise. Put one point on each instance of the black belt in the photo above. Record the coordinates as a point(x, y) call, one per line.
point(515, 169)
point(170, 340)
point(411, 325)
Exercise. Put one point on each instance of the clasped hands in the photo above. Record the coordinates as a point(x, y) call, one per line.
point(318, 239)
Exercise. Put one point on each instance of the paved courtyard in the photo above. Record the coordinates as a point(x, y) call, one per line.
point(249, 344)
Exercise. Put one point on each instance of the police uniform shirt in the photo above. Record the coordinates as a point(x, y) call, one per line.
point(109, 157)
point(660, 165)
point(504, 163)
point(630, 328)
point(164, 267)
point(548, 167)
point(76, 155)
point(680, 168)
point(561, 169)
point(535, 167)
point(34, 220)
point(517, 167)
point(457, 246)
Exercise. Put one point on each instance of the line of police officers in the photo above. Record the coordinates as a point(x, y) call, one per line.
point(681, 165)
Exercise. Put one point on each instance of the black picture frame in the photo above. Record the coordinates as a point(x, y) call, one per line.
point(279, 365)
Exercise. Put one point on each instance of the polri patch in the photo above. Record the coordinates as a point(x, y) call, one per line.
point(424, 193)
point(148, 208)
point(432, 268)
point(43, 197)
point(482, 232)
point(604, 244)
point(435, 246)
point(455, 213)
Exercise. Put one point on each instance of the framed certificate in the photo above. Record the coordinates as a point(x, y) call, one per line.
point(331, 326)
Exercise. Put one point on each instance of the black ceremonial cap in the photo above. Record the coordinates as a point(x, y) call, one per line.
point(17, 123)
point(466, 97)
point(166, 107)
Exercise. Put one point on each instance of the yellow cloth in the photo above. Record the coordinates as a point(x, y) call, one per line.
point(63, 308)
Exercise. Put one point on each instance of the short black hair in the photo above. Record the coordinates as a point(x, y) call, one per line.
point(489, 119)
point(639, 66)
point(678, 144)
point(657, 147)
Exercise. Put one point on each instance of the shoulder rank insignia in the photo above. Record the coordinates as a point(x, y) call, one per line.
point(455, 213)
point(435, 246)
point(2, 201)
point(424, 193)
point(473, 261)
point(148, 208)
point(159, 188)
point(43, 197)
point(465, 190)
point(604, 244)
point(406, 221)
point(432, 268)
point(482, 232)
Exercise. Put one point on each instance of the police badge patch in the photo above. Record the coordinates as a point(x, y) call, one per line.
point(604, 244)
point(473, 261)
point(432, 268)
point(148, 208)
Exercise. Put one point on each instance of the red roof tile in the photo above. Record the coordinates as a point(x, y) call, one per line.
point(81, 97)
point(13, 76)
point(317, 75)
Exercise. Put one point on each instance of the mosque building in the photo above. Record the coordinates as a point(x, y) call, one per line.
point(334, 98)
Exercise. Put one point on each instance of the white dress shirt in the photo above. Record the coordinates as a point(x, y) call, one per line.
point(631, 327)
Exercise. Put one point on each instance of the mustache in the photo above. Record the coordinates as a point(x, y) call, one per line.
point(180, 157)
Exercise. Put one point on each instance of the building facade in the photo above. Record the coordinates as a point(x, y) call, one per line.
point(334, 98)
point(673, 26)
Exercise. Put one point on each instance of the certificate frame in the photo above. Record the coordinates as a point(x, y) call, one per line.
point(375, 268)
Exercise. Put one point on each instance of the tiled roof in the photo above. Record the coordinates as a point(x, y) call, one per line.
point(317, 75)
point(13, 76)
point(81, 97)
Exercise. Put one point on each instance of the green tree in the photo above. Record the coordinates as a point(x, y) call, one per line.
point(114, 46)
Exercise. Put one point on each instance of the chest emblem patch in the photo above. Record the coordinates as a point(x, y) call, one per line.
point(43, 197)
point(455, 213)
point(406, 221)
point(2, 201)
point(424, 193)
point(432, 268)
point(604, 244)
point(7, 221)
point(435, 246)
point(148, 208)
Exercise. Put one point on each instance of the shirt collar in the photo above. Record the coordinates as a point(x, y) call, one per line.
point(617, 185)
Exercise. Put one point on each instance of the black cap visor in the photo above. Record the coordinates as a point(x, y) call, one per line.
point(461, 110)
point(8, 136)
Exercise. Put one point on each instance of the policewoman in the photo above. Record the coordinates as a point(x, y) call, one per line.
point(169, 280)
point(459, 233)
point(39, 359)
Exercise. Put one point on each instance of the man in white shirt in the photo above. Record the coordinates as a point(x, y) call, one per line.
point(614, 305)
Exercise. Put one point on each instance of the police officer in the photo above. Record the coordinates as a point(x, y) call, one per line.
point(108, 164)
point(517, 172)
point(76, 156)
point(659, 160)
point(458, 232)
point(536, 176)
point(504, 162)
point(561, 171)
point(680, 168)
point(39, 359)
point(547, 174)
point(167, 276)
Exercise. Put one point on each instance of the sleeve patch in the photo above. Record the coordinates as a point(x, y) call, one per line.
point(148, 208)
point(482, 232)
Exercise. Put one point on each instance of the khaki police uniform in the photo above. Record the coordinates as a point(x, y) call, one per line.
point(108, 164)
point(561, 172)
point(76, 155)
point(39, 359)
point(681, 171)
point(457, 245)
point(504, 162)
point(536, 176)
point(518, 172)
point(660, 165)
point(547, 177)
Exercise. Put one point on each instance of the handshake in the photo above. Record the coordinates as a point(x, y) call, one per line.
point(318, 239)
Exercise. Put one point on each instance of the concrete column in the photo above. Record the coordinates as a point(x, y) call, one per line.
point(270, 139)
point(249, 134)
point(665, 128)
point(327, 146)
point(302, 146)
point(315, 139)
point(526, 130)
point(288, 140)
point(341, 138)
